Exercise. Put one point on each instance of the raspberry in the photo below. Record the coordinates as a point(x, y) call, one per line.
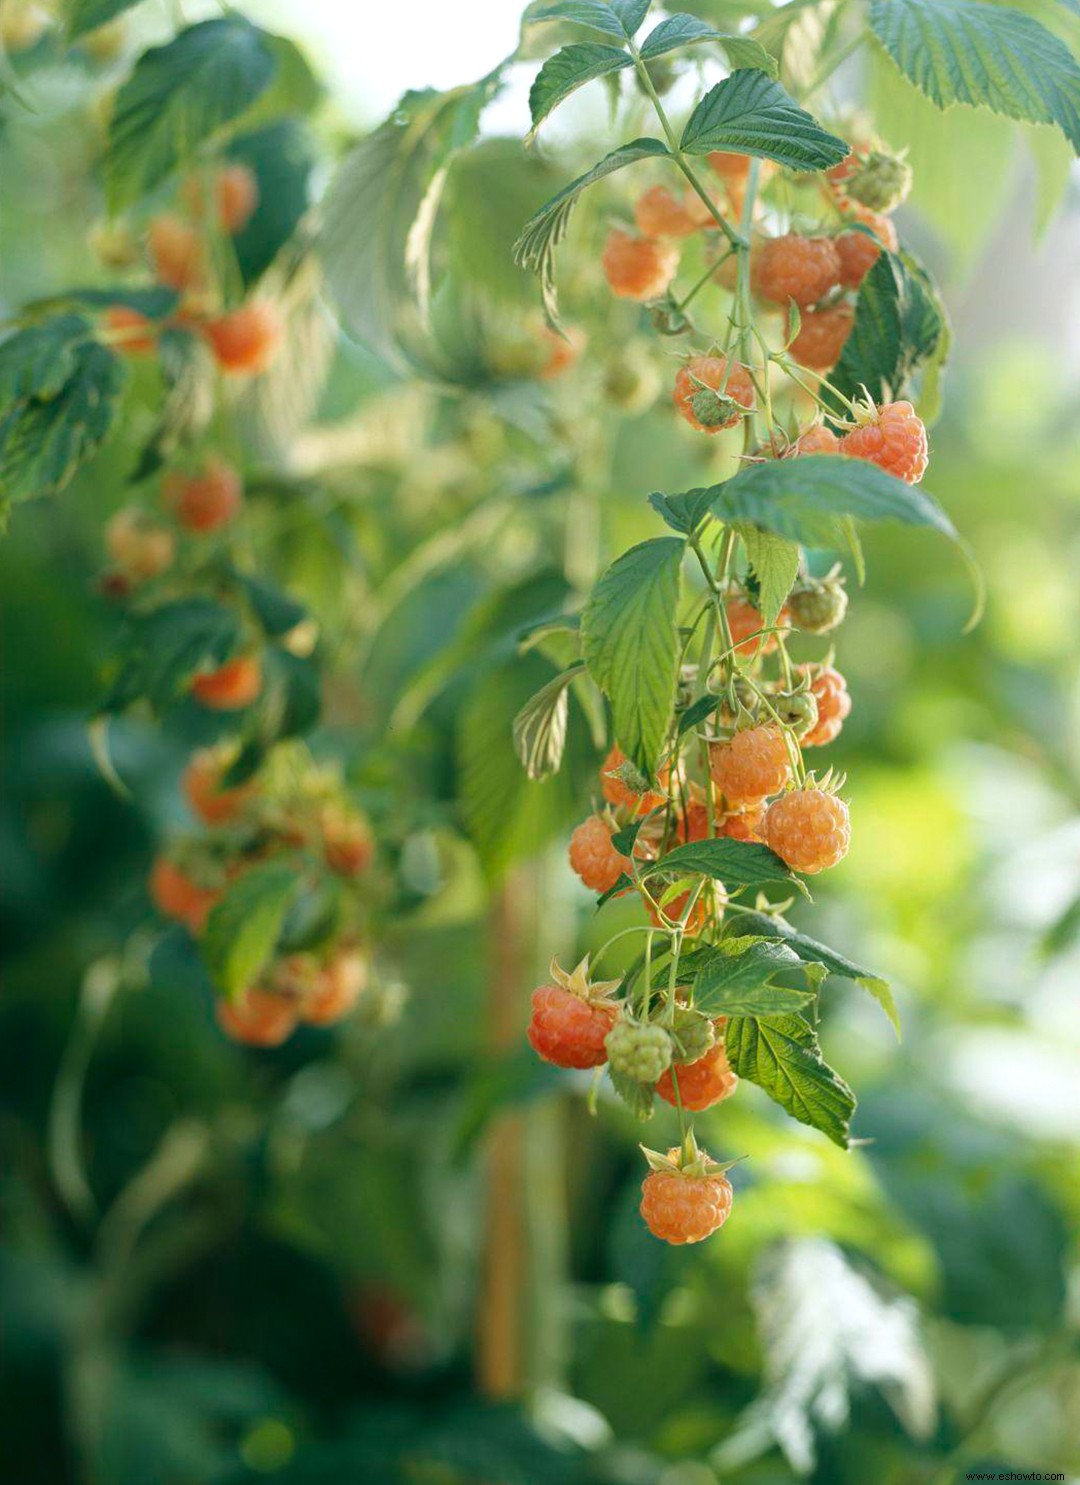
point(616, 792)
point(638, 267)
point(817, 439)
point(744, 824)
point(336, 990)
point(236, 195)
point(140, 547)
point(205, 501)
point(245, 341)
point(792, 267)
point(818, 607)
point(701, 1084)
point(177, 253)
point(808, 829)
point(639, 1052)
point(209, 799)
point(745, 623)
point(752, 765)
point(177, 895)
point(822, 335)
point(684, 1201)
point(699, 406)
point(347, 841)
point(660, 214)
point(563, 352)
point(858, 253)
point(571, 1018)
point(259, 1019)
point(693, 823)
point(893, 437)
point(231, 687)
point(833, 704)
point(879, 180)
point(729, 165)
point(593, 857)
point(131, 333)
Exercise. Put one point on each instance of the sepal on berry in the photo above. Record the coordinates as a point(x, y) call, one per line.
point(578, 982)
point(687, 1159)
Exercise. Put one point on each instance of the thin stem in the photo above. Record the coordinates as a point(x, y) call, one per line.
point(704, 279)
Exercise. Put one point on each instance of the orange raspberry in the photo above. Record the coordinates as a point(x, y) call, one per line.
point(833, 703)
point(744, 824)
point(177, 895)
point(857, 252)
point(205, 501)
point(236, 195)
point(232, 686)
point(177, 253)
point(693, 823)
point(563, 352)
point(752, 765)
point(572, 1017)
point(245, 341)
point(660, 214)
point(131, 333)
point(817, 439)
point(822, 336)
point(703, 1083)
point(138, 545)
point(258, 1019)
point(593, 857)
point(685, 1205)
point(347, 841)
point(892, 436)
point(709, 907)
point(732, 166)
point(336, 990)
point(638, 267)
point(699, 379)
point(209, 799)
point(745, 623)
point(619, 794)
point(793, 267)
point(809, 829)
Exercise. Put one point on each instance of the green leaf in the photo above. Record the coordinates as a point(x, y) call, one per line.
point(987, 56)
point(290, 700)
point(167, 646)
point(82, 16)
point(629, 641)
point(181, 96)
point(294, 92)
point(750, 113)
point(540, 726)
point(276, 612)
point(736, 979)
point(775, 563)
point(638, 1097)
point(781, 1055)
point(243, 928)
point(736, 863)
point(687, 30)
point(810, 951)
point(281, 157)
point(545, 229)
point(619, 18)
point(569, 70)
point(1063, 933)
point(38, 361)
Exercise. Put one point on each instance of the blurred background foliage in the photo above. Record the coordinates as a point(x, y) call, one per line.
point(222, 1266)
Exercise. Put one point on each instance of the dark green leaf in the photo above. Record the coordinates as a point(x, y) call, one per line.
point(40, 360)
point(281, 157)
point(628, 639)
point(775, 564)
point(899, 325)
point(619, 18)
point(781, 1055)
point(82, 16)
point(243, 928)
point(540, 726)
point(276, 612)
point(167, 646)
point(291, 698)
point(736, 979)
point(736, 863)
point(697, 712)
point(750, 113)
point(1064, 932)
point(638, 1097)
point(683, 513)
point(569, 70)
point(687, 30)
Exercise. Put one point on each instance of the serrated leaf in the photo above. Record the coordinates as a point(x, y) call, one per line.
point(38, 361)
point(775, 563)
point(593, 13)
point(628, 640)
point(545, 229)
point(697, 712)
point(276, 612)
point(960, 51)
point(568, 70)
point(638, 1097)
point(688, 30)
point(243, 928)
point(83, 16)
point(736, 863)
point(180, 96)
point(540, 726)
point(164, 649)
point(781, 1055)
point(752, 114)
point(736, 979)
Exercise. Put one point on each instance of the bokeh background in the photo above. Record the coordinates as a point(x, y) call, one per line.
point(220, 1266)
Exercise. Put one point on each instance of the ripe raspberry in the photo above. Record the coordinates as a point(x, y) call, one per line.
point(231, 687)
point(744, 824)
point(561, 352)
point(258, 1019)
point(593, 857)
point(858, 253)
point(177, 895)
point(703, 1083)
point(639, 1052)
point(621, 795)
point(752, 765)
point(745, 623)
point(347, 841)
point(808, 829)
point(792, 267)
point(177, 253)
point(245, 341)
point(236, 195)
point(337, 989)
point(684, 1202)
point(693, 823)
point(822, 336)
point(660, 214)
point(205, 501)
point(209, 800)
point(696, 402)
point(833, 703)
point(892, 436)
point(572, 1017)
point(817, 439)
point(138, 545)
point(818, 606)
point(638, 267)
point(131, 333)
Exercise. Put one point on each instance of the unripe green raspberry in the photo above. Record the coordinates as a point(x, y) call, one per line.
point(641, 1053)
point(818, 607)
point(692, 1034)
point(713, 410)
point(881, 181)
point(798, 710)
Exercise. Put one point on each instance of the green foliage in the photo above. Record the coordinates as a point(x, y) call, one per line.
point(750, 113)
point(540, 726)
point(737, 978)
point(83, 16)
point(628, 641)
point(900, 326)
point(281, 157)
point(165, 647)
point(568, 70)
point(781, 1055)
point(774, 562)
point(988, 56)
point(243, 928)
point(736, 863)
point(618, 18)
point(682, 30)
